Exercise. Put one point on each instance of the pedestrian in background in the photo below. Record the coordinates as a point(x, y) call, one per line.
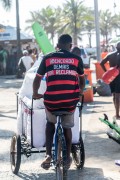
point(104, 53)
point(77, 51)
point(32, 55)
point(24, 64)
point(3, 60)
point(114, 60)
point(27, 60)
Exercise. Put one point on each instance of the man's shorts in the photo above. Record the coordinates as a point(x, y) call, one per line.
point(67, 121)
point(115, 85)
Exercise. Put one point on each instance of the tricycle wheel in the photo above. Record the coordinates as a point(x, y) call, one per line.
point(61, 168)
point(15, 153)
point(78, 154)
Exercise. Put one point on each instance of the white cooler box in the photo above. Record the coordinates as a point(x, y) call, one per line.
point(39, 124)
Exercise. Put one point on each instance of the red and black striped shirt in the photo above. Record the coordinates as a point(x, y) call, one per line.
point(62, 69)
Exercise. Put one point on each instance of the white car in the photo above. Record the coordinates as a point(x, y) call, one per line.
point(85, 58)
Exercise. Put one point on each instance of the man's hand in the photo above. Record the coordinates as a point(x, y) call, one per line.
point(36, 85)
point(37, 96)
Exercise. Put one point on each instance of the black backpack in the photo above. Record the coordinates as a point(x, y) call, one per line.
point(21, 66)
point(21, 69)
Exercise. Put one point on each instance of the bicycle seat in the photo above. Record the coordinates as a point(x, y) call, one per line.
point(61, 113)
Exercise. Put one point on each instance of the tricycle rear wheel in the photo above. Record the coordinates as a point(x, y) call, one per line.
point(15, 153)
point(78, 154)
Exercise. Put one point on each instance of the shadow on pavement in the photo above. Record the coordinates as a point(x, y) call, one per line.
point(4, 116)
point(96, 144)
point(10, 111)
point(94, 108)
point(94, 174)
point(99, 146)
point(11, 83)
point(5, 134)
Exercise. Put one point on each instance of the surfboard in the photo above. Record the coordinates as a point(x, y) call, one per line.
point(42, 39)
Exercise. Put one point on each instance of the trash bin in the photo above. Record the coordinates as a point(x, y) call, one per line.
point(88, 93)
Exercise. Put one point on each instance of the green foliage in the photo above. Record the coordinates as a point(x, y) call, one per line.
point(49, 18)
point(106, 23)
point(6, 4)
point(74, 18)
point(74, 12)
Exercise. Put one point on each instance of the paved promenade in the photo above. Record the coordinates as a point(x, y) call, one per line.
point(100, 150)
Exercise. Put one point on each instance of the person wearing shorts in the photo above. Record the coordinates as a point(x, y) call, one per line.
point(67, 120)
point(65, 80)
point(114, 60)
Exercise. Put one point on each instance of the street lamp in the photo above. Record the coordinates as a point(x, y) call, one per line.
point(97, 30)
point(18, 30)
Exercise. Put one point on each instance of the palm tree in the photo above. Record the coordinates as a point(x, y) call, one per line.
point(49, 18)
point(6, 4)
point(106, 26)
point(116, 23)
point(74, 13)
point(89, 25)
point(34, 18)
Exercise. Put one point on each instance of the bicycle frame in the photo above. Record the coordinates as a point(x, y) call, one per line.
point(80, 106)
point(58, 133)
point(59, 154)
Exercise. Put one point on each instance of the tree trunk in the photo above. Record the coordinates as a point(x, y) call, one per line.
point(89, 38)
point(75, 39)
point(106, 38)
point(75, 36)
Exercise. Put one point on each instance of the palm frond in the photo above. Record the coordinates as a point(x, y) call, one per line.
point(6, 4)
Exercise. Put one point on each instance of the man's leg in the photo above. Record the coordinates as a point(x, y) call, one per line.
point(114, 99)
point(68, 138)
point(117, 104)
point(68, 123)
point(50, 129)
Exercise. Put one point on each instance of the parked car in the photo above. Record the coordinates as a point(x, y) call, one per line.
point(85, 57)
point(92, 52)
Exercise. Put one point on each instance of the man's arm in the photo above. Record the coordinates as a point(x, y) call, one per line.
point(37, 81)
point(102, 63)
point(81, 83)
point(81, 77)
point(36, 85)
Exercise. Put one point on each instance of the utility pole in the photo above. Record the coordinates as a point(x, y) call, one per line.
point(97, 30)
point(18, 30)
point(114, 6)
